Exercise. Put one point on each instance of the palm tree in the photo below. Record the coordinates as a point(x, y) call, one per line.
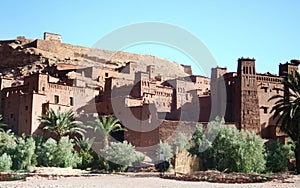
point(61, 123)
point(85, 144)
point(287, 110)
point(1, 123)
point(106, 126)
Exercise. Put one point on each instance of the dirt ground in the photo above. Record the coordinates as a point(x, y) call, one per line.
point(132, 181)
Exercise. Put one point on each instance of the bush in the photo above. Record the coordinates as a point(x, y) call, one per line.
point(85, 152)
point(23, 155)
point(59, 154)
point(39, 142)
point(181, 142)
point(5, 163)
point(165, 149)
point(120, 155)
point(7, 142)
point(231, 151)
point(277, 157)
point(87, 159)
point(19, 149)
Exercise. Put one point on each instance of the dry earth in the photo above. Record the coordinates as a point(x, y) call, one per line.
point(133, 181)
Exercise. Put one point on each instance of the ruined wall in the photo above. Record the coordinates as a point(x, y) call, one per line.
point(12, 56)
point(60, 48)
point(52, 37)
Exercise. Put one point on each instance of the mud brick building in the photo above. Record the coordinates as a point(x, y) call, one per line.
point(152, 97)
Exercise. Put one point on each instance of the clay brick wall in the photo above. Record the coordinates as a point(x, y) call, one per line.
point(267, 86)
point(168, 130)
point(52, 37)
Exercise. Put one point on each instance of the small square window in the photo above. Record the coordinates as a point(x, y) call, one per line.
point(106, 74)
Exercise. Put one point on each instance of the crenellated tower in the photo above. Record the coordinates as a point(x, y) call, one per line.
point(248, 117)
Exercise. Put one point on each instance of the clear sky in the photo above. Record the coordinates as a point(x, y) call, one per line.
point(267, 30)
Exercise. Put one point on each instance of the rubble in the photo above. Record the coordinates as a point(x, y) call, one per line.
point(219, 177)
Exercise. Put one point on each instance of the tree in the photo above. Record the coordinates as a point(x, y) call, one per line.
point(277, 157)
point(106, 126)
point(85, 152)
point(121, 155)
point(287, 110)
point(232, 150)
point(61, 123)
point(59, 153)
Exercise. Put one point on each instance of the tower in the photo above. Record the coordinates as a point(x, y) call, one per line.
point(248, 106)
point(218, 92)
point(289, 68)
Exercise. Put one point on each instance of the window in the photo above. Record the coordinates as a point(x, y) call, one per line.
point(266, 90)
point(43, 88)
point(11, 115)
point(71, 101)
point(106, 74)
point(56, 99)
point(26, 108)
point(265, 109)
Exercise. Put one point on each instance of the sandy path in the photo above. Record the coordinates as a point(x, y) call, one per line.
point(132, 181)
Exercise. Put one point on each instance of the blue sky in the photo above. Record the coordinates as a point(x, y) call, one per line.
point(266, 30)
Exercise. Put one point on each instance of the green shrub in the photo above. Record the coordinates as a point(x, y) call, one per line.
point(181, 142)
point(20, 150)
point(5, 163)
point(232, 150)
point(23, 155)
point(7, 142)
point(85, 152)
point(87, 159)
point(59, 154)
point(277, 157)
point(39, 142)
point(120, 155)
point(165, 149)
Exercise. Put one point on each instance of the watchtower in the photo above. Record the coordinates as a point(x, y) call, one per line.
point(248, 110)
point(289, 68)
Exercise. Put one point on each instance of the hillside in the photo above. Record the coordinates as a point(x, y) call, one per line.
point(23, 56)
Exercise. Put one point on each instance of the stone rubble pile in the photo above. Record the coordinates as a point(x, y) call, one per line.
point(219, 177)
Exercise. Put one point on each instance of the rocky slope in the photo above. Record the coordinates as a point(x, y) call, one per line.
point(22, 56)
